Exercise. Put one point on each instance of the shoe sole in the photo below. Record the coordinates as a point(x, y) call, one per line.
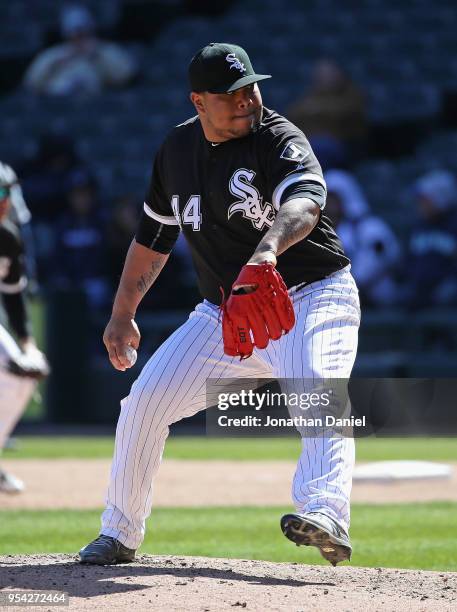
point(98, 561)
point(305, 533)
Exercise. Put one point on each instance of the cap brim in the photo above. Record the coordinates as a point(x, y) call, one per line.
point(247, 80)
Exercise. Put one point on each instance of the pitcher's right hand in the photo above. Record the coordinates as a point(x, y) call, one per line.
point(121, 332)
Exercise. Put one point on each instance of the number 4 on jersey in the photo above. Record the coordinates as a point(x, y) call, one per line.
point(191, 213)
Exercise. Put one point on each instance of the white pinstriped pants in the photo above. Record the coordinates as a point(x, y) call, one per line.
point(15, 391)
point(172, 385)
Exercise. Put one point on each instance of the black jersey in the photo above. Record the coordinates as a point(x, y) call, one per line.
point(224, 198)
point(12, 277)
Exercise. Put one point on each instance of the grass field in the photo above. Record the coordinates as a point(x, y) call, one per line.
point(261, 449)
point(418, 536)
point(387, 536)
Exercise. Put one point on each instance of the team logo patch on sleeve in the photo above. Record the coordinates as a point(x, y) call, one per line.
point(294, 152)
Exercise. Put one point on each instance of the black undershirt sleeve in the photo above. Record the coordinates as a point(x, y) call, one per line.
point(16, 309)
point(155, 235)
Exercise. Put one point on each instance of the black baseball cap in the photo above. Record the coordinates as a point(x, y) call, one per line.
point(222, 68)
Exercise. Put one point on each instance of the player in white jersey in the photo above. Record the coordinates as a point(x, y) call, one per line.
point(244, 187)
point(21, 363)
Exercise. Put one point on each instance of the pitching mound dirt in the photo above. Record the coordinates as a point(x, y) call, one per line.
point(214, 585)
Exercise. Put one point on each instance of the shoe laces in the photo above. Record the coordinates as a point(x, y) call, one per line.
point(102, 540)
point(339, 530)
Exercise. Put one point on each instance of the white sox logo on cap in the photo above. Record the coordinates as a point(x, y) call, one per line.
point(235, 62)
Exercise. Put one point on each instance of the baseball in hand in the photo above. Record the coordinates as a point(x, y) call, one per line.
point(131, 354)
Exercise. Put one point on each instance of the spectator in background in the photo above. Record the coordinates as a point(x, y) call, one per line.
point(332, 112)
point(79, 259)
point(45, 176)
point(367, 239)
point(121, 227)
point(431, 275)
point(45, 181)
point(83, 64)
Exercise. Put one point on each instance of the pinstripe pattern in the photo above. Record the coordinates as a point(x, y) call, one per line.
point(172, 386)
point(15, 393)
point(328, 333)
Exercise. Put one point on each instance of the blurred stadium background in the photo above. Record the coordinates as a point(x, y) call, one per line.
point(403, 56)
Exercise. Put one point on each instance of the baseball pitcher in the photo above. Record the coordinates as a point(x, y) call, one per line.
point(244, 187)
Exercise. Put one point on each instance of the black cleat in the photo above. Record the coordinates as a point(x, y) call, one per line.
point(317, 529)
point(105, 550)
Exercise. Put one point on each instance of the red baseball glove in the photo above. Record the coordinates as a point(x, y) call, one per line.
point(257, 310)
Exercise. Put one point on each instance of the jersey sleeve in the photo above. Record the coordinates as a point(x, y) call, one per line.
point(13, 280)
point(158, 228)
point(305, 189)
point(293, 169)
point(157, 204)
point(16, 311)
point(12, 273)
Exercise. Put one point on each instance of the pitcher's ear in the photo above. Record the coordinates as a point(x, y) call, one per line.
point(197, 100)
